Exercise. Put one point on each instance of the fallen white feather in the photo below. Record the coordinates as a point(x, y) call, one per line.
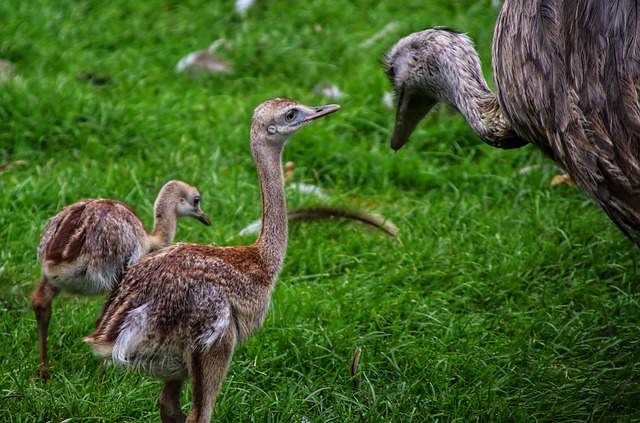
point(546, 166)
point(309, 189)
point(391, 26)
point(6, 69)
point(204, 61)
point(254, 227)
point(387, 100)
point(251, 229)
point(243, 5)
point(329, 90)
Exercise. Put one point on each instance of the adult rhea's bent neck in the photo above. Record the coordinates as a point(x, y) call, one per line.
point(440, 64)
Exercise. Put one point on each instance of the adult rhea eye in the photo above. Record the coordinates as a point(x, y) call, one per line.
point(391, 72)
point(290, 116)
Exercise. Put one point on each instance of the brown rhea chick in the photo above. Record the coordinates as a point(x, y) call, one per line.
point(181, 312)
point(86, 248)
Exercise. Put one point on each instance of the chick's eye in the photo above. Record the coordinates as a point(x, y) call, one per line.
point(196, 201)
point(290, 116)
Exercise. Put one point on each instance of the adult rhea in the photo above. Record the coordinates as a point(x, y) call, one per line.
point(567, 76)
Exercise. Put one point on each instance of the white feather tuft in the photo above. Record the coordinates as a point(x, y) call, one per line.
point(132, 333)
point(216, 330)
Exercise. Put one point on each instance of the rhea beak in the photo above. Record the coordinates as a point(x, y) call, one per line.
point(410, 110)
point(202, 217)
point(321, 111)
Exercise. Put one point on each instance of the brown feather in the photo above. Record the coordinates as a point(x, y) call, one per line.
point(86, 248)
point(181, 311)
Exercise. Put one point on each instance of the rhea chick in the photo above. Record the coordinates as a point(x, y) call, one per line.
point(86, 248)
point(182, 311)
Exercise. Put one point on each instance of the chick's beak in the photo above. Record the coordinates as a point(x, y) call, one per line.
point(202, 217)
point(323, 111)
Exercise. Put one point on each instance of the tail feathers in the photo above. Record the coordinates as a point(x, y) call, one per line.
point(319, 213)
point(130, 334)
point(100, 349)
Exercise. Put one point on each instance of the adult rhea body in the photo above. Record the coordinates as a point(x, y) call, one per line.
point(567, 78)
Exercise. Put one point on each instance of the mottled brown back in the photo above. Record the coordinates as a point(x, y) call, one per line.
point(94, 239)
point(178, 280)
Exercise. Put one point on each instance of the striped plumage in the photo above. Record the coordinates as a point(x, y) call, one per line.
point(567, 78)
point(86, 248)
point(181, 312)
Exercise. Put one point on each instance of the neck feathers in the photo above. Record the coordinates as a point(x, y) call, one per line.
point(471, 95)
point(273, 237)
point(164, 227)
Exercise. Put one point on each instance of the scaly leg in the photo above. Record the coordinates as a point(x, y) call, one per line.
point(41, 302)
point(169, 401)
point(207, 370)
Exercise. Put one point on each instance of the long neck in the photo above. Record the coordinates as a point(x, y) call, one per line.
point(468, 92)
point(272, 240)
point(164, 226)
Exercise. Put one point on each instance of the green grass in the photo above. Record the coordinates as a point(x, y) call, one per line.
point(494, 308)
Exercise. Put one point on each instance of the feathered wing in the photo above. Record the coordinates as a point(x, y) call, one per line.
point(568, 76)
point(177, 299)
point(87, 247)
